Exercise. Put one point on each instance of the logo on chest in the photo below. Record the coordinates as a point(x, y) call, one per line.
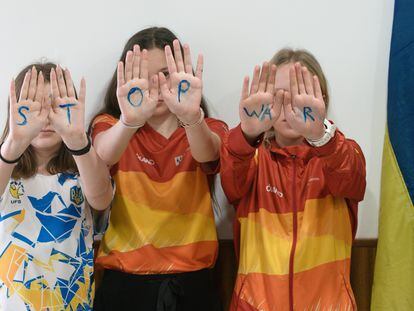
point(178, 160)
point(274, 190)
point(76, 195)
point(16, 190)
point(145, 160)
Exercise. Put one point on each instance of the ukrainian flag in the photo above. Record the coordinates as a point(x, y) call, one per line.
point(394, 267)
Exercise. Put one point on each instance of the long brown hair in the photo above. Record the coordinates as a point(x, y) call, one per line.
point(149, 38)
point(305, 58)
point(27, 167)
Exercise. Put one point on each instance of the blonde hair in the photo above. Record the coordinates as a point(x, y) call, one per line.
point(305, 58)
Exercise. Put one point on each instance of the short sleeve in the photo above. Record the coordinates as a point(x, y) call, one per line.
point(102, 123)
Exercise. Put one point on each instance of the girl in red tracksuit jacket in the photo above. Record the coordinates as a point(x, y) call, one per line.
point(295, 181)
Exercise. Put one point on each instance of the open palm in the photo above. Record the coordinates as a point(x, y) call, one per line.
point(67, 115)
point(260, 107)
point(29, 114)
point(183, 95)
point(304, 106)
point(137, 101)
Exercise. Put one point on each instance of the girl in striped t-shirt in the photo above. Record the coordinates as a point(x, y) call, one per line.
point(163, 150)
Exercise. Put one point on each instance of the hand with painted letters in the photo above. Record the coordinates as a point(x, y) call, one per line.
point(304, 106)
point(67, 115)
point(260, 107)
point(137, 100)
point(184, 92)
point(29, 114)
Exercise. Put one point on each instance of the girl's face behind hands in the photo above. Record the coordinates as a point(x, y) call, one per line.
point(157, 63)
point(47, 139)
point(284, 133)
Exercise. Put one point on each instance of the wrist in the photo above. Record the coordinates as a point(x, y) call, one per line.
point(76, 142)
point(135, 125)
point(251, 137)
point(329, 133)
point(82, 150)
point(12, 149)
point(195, 121)
point(316, 135)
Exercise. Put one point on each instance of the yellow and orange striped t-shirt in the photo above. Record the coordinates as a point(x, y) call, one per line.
point(161, 219)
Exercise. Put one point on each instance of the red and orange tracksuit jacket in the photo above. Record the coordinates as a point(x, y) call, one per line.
point(296, 221)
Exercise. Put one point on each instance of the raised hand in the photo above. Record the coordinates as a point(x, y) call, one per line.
point(136, 99)
point(184, 92)
point(67, 115)
point(29, 114)
point(260, 107)
point(304, 106)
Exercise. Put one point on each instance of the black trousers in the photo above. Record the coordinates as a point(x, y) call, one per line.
point(187, 291)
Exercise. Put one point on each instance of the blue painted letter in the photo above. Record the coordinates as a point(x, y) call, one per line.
point(181, 89)
point(266, 112)
point(132, 92)
point(254, 112)
point(20, 111)
point(307, 113)
point(68, 109)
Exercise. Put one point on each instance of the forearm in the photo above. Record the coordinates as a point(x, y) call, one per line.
point(344, 167)
point(96, 183)
point(204, 144)
point(111, 144)
point(6, 171)
point(238, 167)
point(10, 150)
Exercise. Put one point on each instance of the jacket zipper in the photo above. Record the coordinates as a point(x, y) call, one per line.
point(295, 237)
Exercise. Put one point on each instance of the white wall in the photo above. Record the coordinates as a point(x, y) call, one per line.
point(350, 39)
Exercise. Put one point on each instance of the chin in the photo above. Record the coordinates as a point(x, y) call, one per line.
point(161, 110)
point(46, 140)
point(287, 132)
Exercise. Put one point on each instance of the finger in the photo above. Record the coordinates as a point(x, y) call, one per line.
point(299, 76)
point(128, 66)
point(170, 60)
point(54, 85)
point(308, 81)
point(137, 61)
point(144, 65)
point(153, 92)
point(293, 81)
point(13, 98)
point(287, 106)
point(317, 88)
point(61, 82)
point(255, 81)
point(33, 84)
point(270, 87)
point(40, 88)
point(277, 104)
point(46, 105)
point(25, 87)
point(82, 91)
point(187, 59)
point(120, 74)
point(263, 77)
point(165, 91)
point(279, 99)
point(69, 84)
point(200, 65)
point(45, 109)
point(52, 114)
point(245, 88)
point(178, 56)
